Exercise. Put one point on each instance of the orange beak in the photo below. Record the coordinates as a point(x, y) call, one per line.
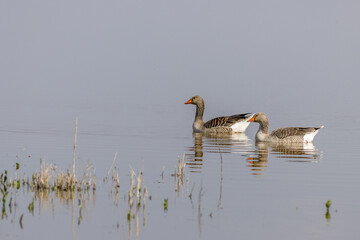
point(251, 119)
point(189, 101)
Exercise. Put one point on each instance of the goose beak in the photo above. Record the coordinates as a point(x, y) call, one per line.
point(251, 119)
point(188, 102)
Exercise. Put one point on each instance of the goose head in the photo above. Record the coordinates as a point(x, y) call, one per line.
point(196, 100)
point(259, 118)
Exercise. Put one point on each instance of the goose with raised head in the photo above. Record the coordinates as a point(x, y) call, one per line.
point(220, 125)
point(287, 134)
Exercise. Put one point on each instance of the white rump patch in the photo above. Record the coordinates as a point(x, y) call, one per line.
point(240, 127)
point(310, 136)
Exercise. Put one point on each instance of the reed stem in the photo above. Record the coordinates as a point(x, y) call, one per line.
point(74, 153)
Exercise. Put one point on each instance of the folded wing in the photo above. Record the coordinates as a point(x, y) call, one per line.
point(282, 133)
point(227, 121)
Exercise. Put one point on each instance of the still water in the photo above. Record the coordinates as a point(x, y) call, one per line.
point(232, 186)
point(125, 69)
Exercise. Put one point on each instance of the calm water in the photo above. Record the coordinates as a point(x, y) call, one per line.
point(126, 68)
point(248, 189)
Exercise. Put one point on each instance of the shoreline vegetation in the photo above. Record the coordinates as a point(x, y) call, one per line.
point(72, 186)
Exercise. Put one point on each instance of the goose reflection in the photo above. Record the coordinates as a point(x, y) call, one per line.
point(292, 152)
point(208, 143)
point(296, 152)
point(257, 164)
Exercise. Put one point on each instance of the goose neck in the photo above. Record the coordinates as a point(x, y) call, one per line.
point(264, 126)
point(199, 112)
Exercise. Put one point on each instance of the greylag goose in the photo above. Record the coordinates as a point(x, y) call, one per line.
point(220, 125)
point(287, 134)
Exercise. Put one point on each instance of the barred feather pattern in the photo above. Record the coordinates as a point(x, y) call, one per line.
point(285, 135)
point(218, 130)
point(219, 125)
point(226, 121)
point(282, 133)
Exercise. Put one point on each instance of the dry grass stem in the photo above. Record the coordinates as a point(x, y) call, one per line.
point(199, 209)
point(221, 179)
point(115, 178)
point(162, 174)
point(181, 167)
point(113, 162)
point(180, 173)
point(131, 190)
point(94, 182)
point(50, 178)
point(138, 190)
point(74, 152)
point(115, 174)
point(85, 182)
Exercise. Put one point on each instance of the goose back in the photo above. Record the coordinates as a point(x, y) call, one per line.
point(227, 121)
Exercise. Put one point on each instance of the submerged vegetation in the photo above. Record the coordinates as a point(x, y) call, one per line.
point(137, 195)
point(51, 178)
point(327, 214)
point(4, 192)
point(166, 203)
point(68, 185)
point(179, 174)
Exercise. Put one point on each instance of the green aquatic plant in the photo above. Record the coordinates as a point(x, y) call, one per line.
point(327, 214)
point(328, 204)
point(80, 212)
point(4, 193)
point(3, 210)
point(165, 204)
point(16, 184)
point(129, 215)
point(31, 207)
point(3, 179)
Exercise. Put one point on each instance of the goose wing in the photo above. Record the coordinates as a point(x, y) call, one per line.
point(226, 121)
point(282, 133)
